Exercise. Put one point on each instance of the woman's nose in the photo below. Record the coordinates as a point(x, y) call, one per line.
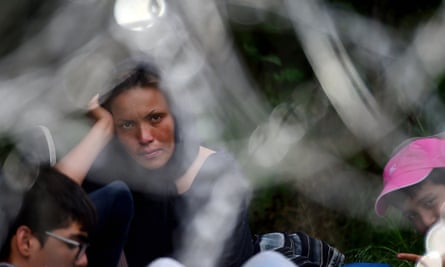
point(145, 135)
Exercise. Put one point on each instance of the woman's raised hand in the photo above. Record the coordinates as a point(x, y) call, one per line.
point(103, 117)
point(76, 163)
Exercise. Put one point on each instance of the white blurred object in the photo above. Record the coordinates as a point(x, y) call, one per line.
point(165, 262)
point(431, 259)
point(84, 76)
point(435, 238)
point(434, 244)
point(138, 15)
point(34, 147)
point(269, 258)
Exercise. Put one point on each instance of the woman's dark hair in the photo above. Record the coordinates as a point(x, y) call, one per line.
point(130, 75)
point(54, 201)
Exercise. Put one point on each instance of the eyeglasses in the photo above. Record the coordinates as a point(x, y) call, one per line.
point(72, 244)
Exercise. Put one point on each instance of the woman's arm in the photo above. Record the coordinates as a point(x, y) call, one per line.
point(77, 162)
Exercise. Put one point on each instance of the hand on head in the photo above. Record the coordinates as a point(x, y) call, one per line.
point(100, 114)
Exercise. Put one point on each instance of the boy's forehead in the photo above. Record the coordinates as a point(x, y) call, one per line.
point(74, 228)
point(398, 199)
point(404, 199)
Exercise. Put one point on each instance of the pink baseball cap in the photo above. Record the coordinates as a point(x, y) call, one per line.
point(409, 166)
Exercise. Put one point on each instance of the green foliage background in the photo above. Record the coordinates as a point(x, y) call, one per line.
point(273, 56)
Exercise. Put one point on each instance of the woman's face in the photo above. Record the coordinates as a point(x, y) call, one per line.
point(144, 125)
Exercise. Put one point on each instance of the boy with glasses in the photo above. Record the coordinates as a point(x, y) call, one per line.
point(52, 225)
point(34, 146)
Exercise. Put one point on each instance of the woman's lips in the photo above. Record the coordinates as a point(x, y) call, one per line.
point(149, 154)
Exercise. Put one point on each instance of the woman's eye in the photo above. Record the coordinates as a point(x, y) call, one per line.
point(155, 117)
point(127, 125)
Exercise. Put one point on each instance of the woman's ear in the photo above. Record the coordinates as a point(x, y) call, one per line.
point(25, 241)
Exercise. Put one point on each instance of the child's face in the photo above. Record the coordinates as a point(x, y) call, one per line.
point(423, 209)
point(59, 253)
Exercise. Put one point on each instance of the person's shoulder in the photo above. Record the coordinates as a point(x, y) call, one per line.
point(221, 157)
point(5, 264)
point(218, 164)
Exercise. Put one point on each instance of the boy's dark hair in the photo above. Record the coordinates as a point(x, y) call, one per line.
point(54, 201)
point(437, 176)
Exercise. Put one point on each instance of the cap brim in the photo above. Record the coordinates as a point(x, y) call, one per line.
point(411, 178)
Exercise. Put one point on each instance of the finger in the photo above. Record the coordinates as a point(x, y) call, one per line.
point(99, 113)
point(96, 111)
point(409, 257)
point(94, 102)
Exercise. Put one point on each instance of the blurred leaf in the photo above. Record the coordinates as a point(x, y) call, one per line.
point(288, 75)
point(271, 59)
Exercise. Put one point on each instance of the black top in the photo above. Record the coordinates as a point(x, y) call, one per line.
point(161, 221)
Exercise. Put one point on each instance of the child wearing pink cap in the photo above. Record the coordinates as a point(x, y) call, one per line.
point(414, 183)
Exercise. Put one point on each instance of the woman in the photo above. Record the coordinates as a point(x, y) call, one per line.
point(190, 202)
point(179, 187)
